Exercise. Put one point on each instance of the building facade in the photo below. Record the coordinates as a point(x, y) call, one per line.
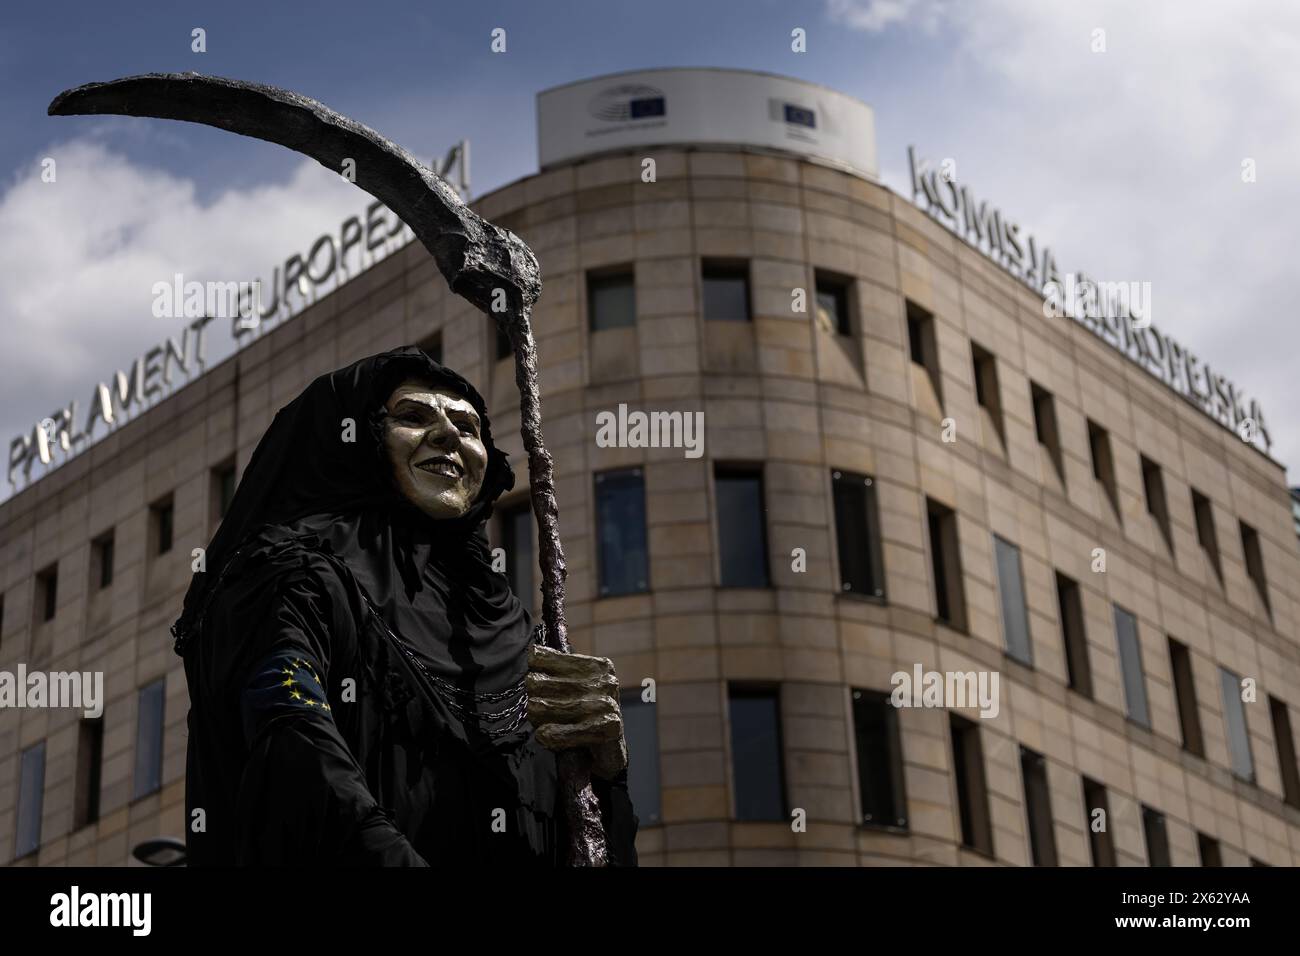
point(904, 469)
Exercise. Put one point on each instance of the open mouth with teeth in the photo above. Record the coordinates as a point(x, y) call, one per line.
point(443, 467)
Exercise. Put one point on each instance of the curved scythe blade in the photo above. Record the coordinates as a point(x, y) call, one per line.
point(476, 257)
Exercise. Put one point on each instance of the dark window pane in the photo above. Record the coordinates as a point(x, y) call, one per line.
point(149, 739)
point(1189, 719)
point(1100, 840)
point(31, 798)
point(742, 537)
point(621, 533)
point(756, 755)
point(1234, 719)
point(1153, 826)
point(105, 558)
point(1285, 750)
point(1038, 808)
point(1011, 587)
point(90, 759)
point(517, 541)
point(945, 563)
point(1153, 484)
point(225, 491)
point(1070, 605)
point(914, 347)
point(1209, 848)
point(163, 515)
point(938, 567)
point(642, 734)
point(1255, 563)
point(972, 794)
point(726, 293)
point(833, 305)
point(47, 589)
point(611, 301)
point(1130, 662)
point(922, 344)
point(1205, 533)
point(857, 531)
point(880, 759)
point(1103, 463)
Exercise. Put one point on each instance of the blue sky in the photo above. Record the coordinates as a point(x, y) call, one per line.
point(1126, 161)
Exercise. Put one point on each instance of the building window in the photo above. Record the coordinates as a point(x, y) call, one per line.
point(1205, 533)
point(611, 299)
point(1045, 427)
point(1130, 664)
point(726, 291)
point(972, 794)
point(1209, 849)
point(857, 531)
point(756, 753)
point(101, 560)
point(47, 593)
point(987, 394)
point(1285, 750)
point(517, 542)
point(162, 516)
point(90, 759)
point(431, 345)
point(1153, 484)
point(923, 345)
point(149, 739)
point(1103, 464)
point(1255, 563)
point(742, 537)
point(1100, 840)
point(1153, 826)
point(1234, 720)
point(1180, 659)
point(880, 759)
point(223, 489)
point(623, 559)
point(31, 799)
point(945, 563)
point(642, 734)
point(1038, 807)
point(1070, 605)
point(1011, 587)
point(833, 303)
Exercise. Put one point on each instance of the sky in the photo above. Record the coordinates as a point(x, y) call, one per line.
point(1127, 160)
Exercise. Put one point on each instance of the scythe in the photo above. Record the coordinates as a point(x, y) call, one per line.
point(490, 267)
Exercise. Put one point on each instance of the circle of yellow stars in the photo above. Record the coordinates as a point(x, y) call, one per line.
point(289, 681)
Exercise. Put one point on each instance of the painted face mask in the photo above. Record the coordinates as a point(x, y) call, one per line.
point(433, 446)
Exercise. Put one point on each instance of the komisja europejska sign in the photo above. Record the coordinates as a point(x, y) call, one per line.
point(1002, 240)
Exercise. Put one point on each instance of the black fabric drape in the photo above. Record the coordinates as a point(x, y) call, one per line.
point(356, 668)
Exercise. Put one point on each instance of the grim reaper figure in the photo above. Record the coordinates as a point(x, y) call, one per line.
point(364, 686)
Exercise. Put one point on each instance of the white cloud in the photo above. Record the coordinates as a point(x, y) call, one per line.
point(1129, 161)
point(877, 15)
point(79, 258)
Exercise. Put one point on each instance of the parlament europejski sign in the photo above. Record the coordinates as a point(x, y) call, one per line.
point(1100, 307)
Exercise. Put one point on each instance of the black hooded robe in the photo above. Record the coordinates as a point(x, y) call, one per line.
point(356, 669)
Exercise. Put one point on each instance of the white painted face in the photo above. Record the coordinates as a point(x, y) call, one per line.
point(434, 446)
